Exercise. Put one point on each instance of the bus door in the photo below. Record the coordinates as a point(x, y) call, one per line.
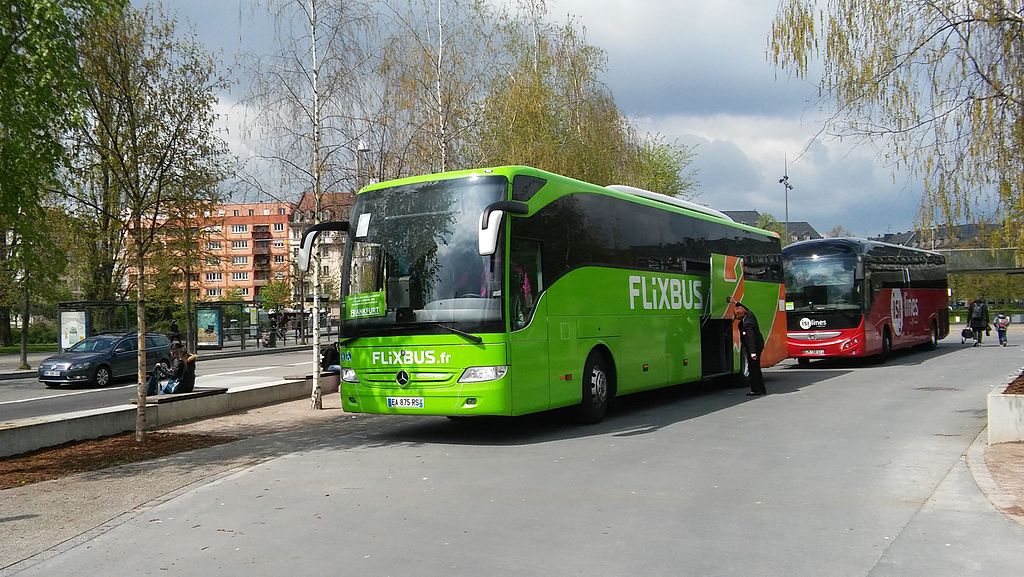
point(528, 323)
point(719, 340)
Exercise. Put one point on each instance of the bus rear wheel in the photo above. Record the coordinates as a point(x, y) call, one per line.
point(597, 389)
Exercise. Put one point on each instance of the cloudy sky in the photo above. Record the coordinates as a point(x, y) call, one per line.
point(695, 71)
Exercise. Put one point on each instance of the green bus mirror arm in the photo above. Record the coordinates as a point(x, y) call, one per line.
point(490, 221)
point(306, 246)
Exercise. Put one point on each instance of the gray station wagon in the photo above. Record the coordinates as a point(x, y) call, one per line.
point(102, 359)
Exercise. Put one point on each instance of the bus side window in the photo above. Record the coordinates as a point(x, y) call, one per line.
point(524, 281)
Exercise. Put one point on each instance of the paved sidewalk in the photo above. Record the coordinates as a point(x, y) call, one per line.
point(47, 518)
point(42, 519)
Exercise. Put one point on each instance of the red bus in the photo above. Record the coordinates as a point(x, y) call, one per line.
point(851, 297)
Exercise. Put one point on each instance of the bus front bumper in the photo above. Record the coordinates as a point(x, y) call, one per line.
point(460, 399)
point(824, 344)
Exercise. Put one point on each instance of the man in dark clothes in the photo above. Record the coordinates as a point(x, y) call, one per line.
point(753, 344)
point(977, 318)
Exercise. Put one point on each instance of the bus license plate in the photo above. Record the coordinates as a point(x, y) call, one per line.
point(405, 402)
point(51, 373)
point(814, 351)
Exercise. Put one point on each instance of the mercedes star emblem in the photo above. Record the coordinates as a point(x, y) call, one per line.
point(402, 378)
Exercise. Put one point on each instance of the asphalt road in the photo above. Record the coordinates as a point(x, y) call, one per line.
point(25, 398)
point(842, 470)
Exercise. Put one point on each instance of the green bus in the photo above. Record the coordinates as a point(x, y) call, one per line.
point(510, 290)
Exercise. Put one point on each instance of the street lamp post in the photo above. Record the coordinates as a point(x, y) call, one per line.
point(786, 187)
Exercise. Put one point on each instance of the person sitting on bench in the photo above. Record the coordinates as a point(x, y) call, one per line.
point(182, 373)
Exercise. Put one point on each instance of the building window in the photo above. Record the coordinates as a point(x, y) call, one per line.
point(221, 212)
point(213, 245)
point(266, 212)
point(278, 227)
point(278, 244)
point(279, 276)
point(239, 244)
point(239, 260)
point(280, 211)
point(213, 261)
point(251, 212)
point(214, 277)
point(235, 212)
point(278, 258)
point(240, 276)
point(214, 292)
point(325, 270)
point(239, 228)
point(245, 292)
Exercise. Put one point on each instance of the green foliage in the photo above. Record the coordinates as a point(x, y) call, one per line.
point(549, 109)
point(994, 286)
point(938, 82)
point(275, 295)
point(40, 92)
point(233, 294)
point(769, 222)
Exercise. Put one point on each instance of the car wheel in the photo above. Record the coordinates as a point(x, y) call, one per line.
point(597, 389)
point(102, 377)
point(934, 342)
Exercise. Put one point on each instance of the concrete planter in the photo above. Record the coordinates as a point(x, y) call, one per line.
point(1005, 417)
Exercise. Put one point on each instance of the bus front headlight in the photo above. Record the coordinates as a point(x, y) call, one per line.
point(349, 375)
point(481, 374)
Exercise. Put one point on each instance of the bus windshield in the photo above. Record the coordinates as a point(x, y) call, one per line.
point(822, 283)
point(412, 262)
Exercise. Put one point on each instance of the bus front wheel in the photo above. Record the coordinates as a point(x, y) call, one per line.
point(597, 389)
point(886, 346)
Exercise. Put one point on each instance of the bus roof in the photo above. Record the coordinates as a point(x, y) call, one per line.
point(862, 246)
point(639, 195)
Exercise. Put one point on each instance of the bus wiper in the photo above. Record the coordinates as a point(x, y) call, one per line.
point(469, 337)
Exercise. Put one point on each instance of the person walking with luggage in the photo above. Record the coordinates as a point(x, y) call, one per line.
point(753, 344)
point(977, 318)
point(1001, 322)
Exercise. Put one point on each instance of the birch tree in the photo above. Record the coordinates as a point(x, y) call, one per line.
point(150, 127)
point(937, 82)
point(304, 109)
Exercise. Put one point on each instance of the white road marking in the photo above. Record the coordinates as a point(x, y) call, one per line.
point(68, 394)
point(204, 378)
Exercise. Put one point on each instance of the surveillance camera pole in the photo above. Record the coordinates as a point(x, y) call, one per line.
point(786, 187)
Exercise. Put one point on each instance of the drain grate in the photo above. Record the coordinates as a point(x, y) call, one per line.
point(936, 389)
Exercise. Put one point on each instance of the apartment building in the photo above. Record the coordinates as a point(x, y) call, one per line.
point(247, 248)
point(334, 206)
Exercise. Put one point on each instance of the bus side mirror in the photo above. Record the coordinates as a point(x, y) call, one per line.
point(306, 246)
point(858, 271)
point(490, 223)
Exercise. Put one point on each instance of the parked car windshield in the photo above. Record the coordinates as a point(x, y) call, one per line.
point(93, 345)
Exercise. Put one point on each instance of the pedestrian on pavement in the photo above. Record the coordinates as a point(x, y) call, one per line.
point(1001, 322)
point(753, 345)
point(175, 335)
point(977, 318)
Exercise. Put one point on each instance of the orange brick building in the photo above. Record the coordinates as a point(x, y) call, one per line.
point(247, 248)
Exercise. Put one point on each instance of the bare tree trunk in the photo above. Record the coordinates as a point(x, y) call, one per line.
point(6, 339)
point(190, 333)
point(24, 323)
point(140, 312)
point(316, 396)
